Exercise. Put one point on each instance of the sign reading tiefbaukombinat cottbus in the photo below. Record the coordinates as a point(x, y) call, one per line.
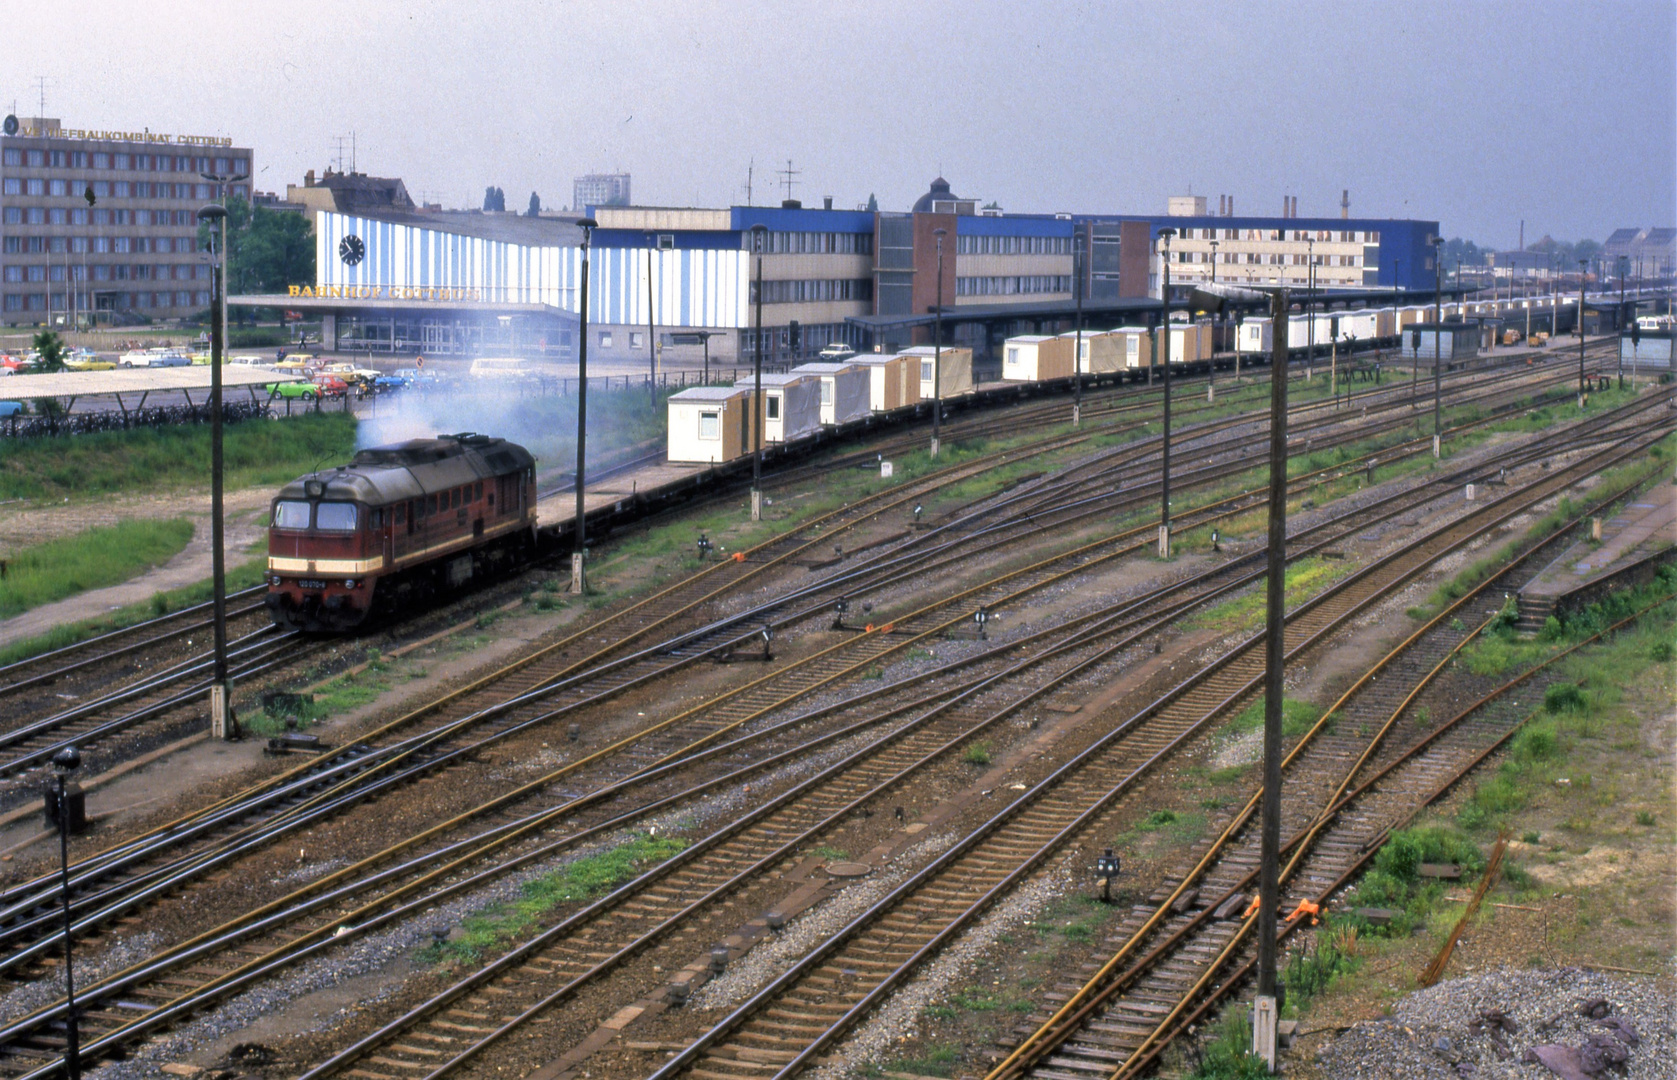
point(32, 130)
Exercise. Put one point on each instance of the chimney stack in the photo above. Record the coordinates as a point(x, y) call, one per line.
point(827, 202)
point(1345, 203)
point(308, 178)
point(1231, 206)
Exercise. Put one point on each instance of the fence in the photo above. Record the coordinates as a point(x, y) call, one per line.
point(57, 423)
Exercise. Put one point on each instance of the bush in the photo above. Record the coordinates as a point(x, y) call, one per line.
point(977, 754)
point(1660, 653)
point(1563, 697)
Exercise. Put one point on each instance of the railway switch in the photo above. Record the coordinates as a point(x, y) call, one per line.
point(1106, 868)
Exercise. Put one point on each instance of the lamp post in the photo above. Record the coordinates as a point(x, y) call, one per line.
point(214, 218)
point(937, 346)
point(65, 762)
point(1583, 268)
point(1310, 308)
point(1624, 268)
point(1161, 349)
point(579, 581)
point(759, 243)
point(1211, 368)
point(1077, 352)
point(651, 335)
point(1437, 345)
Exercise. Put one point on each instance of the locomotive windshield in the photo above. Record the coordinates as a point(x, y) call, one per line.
point(291, 515)
point(335, 517)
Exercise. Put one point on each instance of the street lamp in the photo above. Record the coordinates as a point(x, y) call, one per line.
point(214, 218)
point(1211, 369)
point(759, 244)
point(937, 346)
point(1437, 243)
point(651, 335)
point(1624, 268)
point(1310, 308)
point(579, 582)
point(1583, 267)
point(1161, 350)
point(1077, 353)
point(65, 762)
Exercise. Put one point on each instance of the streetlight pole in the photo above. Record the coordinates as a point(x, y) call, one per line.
point(1624, 268)
point(1310, 309)
point(64, 763)
point(1583, 267)
point(651, 335)
point(214, 217)
point(759, 242)
point(1161, 346)
point(1438, 346)
point(1077, 353)
point(579, 580)
point(1211, 368)
point(937, 347)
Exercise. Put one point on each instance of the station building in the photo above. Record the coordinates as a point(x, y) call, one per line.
point(468, 282)
point(132, 250)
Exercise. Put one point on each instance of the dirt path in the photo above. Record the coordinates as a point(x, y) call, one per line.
point(27, 522)
point(192, 565)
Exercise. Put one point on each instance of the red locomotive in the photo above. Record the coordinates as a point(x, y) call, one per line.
point(397, 525)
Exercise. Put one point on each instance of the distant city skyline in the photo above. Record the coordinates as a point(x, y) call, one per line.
point(1479, 115)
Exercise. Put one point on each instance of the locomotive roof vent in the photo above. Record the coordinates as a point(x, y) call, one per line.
point(411, 452)
point(468, 438)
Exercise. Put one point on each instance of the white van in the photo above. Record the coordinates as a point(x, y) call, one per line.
point(503, 367)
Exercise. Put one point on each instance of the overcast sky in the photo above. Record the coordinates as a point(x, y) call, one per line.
point(1476, 114)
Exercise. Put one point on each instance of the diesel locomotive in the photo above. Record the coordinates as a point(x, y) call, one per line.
point(397, 526)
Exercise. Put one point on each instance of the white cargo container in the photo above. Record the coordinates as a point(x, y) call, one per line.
point(791, 406)
point(1084, 353)
point(1134, 347)
point(1361, 325)
point(844, 390)
point(1036, 358)
point(709, 424)
point(893, 380)
point(1256, 337)
point(956, 368)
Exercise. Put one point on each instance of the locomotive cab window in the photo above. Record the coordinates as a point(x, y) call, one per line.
point(291, 515)
point(335, 517)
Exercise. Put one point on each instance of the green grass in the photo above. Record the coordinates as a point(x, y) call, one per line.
point(240, 576)
point(1296, 717)
point(1394, 880)
point(1226, 1054)
point(93, 559)
point(938, 1059)
point(586, 877)
point(258, 454)
point(1305, 578)
point(977, 754)
point(344, 694)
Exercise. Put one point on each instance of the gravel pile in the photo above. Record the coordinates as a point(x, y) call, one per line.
point(1490, 1027)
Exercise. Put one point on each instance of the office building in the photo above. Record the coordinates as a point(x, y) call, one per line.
point(103, 224)
point(600, 189)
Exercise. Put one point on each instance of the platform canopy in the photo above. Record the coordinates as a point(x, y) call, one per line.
point(75, 384)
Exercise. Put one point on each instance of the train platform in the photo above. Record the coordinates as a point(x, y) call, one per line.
point(1632, 546)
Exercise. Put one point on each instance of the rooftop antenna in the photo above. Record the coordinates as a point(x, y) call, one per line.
point(352, 151)
point(749, 169)
point(41, 81)
point(789, 176)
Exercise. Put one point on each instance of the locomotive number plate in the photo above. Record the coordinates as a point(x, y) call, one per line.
point(305, 584)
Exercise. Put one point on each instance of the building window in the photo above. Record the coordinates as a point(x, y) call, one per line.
point(14, 215)
point(14, 273)
point(121, 189)
point(120, 161)
point(58, 187)
point(37, 273)
point(12, 156)
point(36, 215)
point(605, 339)
point(772, 407)
point(101, 161)
point(35, 187)
point(710, 425)
point(13, 245)
point(636, 340)
point(78, 216)
point(14, 302)
point(37, 159)
point(78, 159)
point(12, 186)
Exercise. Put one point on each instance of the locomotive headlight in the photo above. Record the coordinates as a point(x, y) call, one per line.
point(349, 583)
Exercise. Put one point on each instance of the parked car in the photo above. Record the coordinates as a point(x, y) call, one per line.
point(13, 365)
point(293, 390)
point(384, 384)
point(835, 352)
point(11, 408)
point(87, 361)
point(330, 385)
point(154, 358)
point(417, 377)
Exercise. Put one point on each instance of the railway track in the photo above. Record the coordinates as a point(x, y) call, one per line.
point(825, 993)
point(337, 899)
point(306, 801)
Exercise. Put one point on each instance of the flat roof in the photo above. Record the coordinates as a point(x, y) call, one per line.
point(67, 384)
point(784, 379)
point(708, 393)
point(334, 303)
point(822, 367)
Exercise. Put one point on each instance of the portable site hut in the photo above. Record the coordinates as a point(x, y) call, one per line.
point(1361, 325)
point(893, 379)
point(710, 424)
point(956, 369)
point(1133, 347)
point(1036, 358)
point(1649, 349)
point(791, 406)
point(844, 390)
point(1256, 336)
point(1103, 352)
point(1083, 354)
point(1190, 342)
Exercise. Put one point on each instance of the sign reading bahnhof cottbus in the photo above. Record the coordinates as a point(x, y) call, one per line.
point(32, 131)
point(384, 292)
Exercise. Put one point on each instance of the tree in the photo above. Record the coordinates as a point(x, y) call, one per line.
point(51, 349)
point(535, 206)
point(267, 250)
point(873, 204)
point(489, 198)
